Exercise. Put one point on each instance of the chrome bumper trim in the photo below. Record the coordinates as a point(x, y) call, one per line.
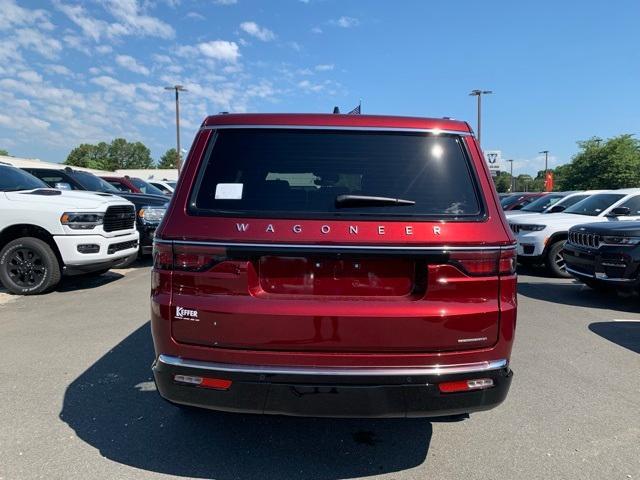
point(363, 371)
point(599, 276)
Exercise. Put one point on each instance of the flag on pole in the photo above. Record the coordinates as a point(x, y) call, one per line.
point(357, 110)
point(548, 182)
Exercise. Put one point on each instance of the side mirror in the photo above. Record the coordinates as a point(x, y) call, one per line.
point(62, 186)
point(619, 212)
point(557, 209)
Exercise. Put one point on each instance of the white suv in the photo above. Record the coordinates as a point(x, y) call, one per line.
point(541, 237)
point(45, 232)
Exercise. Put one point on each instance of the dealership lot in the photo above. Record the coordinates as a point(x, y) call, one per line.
point(78, 400)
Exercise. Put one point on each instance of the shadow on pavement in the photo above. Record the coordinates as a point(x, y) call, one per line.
point(579, 295)
point(114, 407)
point(625, 334)
point(85, 282)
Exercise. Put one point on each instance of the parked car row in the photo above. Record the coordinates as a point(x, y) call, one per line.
point(590, 235)
point(56, 222)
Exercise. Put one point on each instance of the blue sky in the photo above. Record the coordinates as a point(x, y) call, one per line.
point(73, 72)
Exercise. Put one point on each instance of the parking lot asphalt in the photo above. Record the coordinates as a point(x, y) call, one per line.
point(78, 401)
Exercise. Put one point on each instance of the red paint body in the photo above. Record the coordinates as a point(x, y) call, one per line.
point(325, 311)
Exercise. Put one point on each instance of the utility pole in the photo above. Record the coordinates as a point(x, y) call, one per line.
point(178, 89)
point(511, 183)
point(479, 93)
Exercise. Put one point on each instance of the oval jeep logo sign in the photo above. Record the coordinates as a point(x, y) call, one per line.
point(326, 229)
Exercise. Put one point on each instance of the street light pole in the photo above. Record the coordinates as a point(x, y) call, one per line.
point(479, 93)
point(511, 185)
point(178, 89)
point(546, 165)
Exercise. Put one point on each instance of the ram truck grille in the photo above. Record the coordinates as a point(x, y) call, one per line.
point(121, 217)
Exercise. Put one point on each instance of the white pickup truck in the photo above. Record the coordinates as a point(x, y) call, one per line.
point(45, 233)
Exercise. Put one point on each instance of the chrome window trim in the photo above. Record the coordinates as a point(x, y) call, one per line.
point(435, 131)
point(293, 246)
point(337, 371)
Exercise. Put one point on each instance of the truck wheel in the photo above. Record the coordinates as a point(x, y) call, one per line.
point(28, 266)
point(555, 260)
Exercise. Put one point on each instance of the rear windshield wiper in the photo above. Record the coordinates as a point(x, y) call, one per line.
point(350, 201)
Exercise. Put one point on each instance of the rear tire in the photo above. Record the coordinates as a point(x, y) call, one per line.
point(28, 266)
point(555, 261)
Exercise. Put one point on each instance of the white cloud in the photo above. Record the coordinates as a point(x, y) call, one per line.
point(308, 86)
point(131, 64)
point(225, 2)
point(35, 40)
point(345, 22)
point(104, 49)
point(129, 16)
point(317, 30)
point(195, 16)
point(13, 15)
point(255, 30)
point(58, 69)
point(112, 85)
point(325, 67)
point(220, 50)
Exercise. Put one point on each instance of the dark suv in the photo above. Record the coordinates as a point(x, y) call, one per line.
point(334, 265)
point(149, 208)
point(605, 255)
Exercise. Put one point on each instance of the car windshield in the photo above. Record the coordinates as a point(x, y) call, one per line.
point(146, 187)
point(93, 183)
point(566, 202)
point(13, 179)
point(542, 203)
point(288, 172)
point(595, 204)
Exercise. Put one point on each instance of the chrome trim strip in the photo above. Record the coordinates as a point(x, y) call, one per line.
point(575, 272)
point(443, 248)
point(364, 371)
point(326, 127)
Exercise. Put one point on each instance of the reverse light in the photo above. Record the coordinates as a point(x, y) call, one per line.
point(81, 221)
point(204, 382)
point(465, 385)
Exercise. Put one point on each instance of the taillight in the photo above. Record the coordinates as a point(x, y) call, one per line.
point(507, 264)
point(484, 263)
point(188, 258)
point(162, 256)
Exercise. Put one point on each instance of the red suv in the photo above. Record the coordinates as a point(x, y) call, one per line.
point(334, 265)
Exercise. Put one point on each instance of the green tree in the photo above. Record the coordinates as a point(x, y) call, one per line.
point(88, 156)
point(4, 152)
point(111, 156)
point(169, 159)
point(502, 181)
point(612, 164)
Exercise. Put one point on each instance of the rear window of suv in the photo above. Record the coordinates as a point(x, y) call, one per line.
point(288, 173)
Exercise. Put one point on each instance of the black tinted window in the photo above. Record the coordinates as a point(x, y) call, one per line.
point(542, 203)
point(279, 172)
point(633, 204)
point(595, 204)
point(14, 179)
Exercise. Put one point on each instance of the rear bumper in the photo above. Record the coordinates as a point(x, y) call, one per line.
point(334, 392)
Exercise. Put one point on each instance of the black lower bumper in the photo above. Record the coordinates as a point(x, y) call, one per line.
point(332, 395)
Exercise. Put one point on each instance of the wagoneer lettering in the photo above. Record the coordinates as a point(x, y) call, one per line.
point(366, 263)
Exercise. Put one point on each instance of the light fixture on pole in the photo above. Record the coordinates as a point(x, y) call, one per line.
point(178, 89)
point(479, 93)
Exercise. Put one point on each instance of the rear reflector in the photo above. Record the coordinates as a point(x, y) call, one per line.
point(215, 383)
point(465, 385)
